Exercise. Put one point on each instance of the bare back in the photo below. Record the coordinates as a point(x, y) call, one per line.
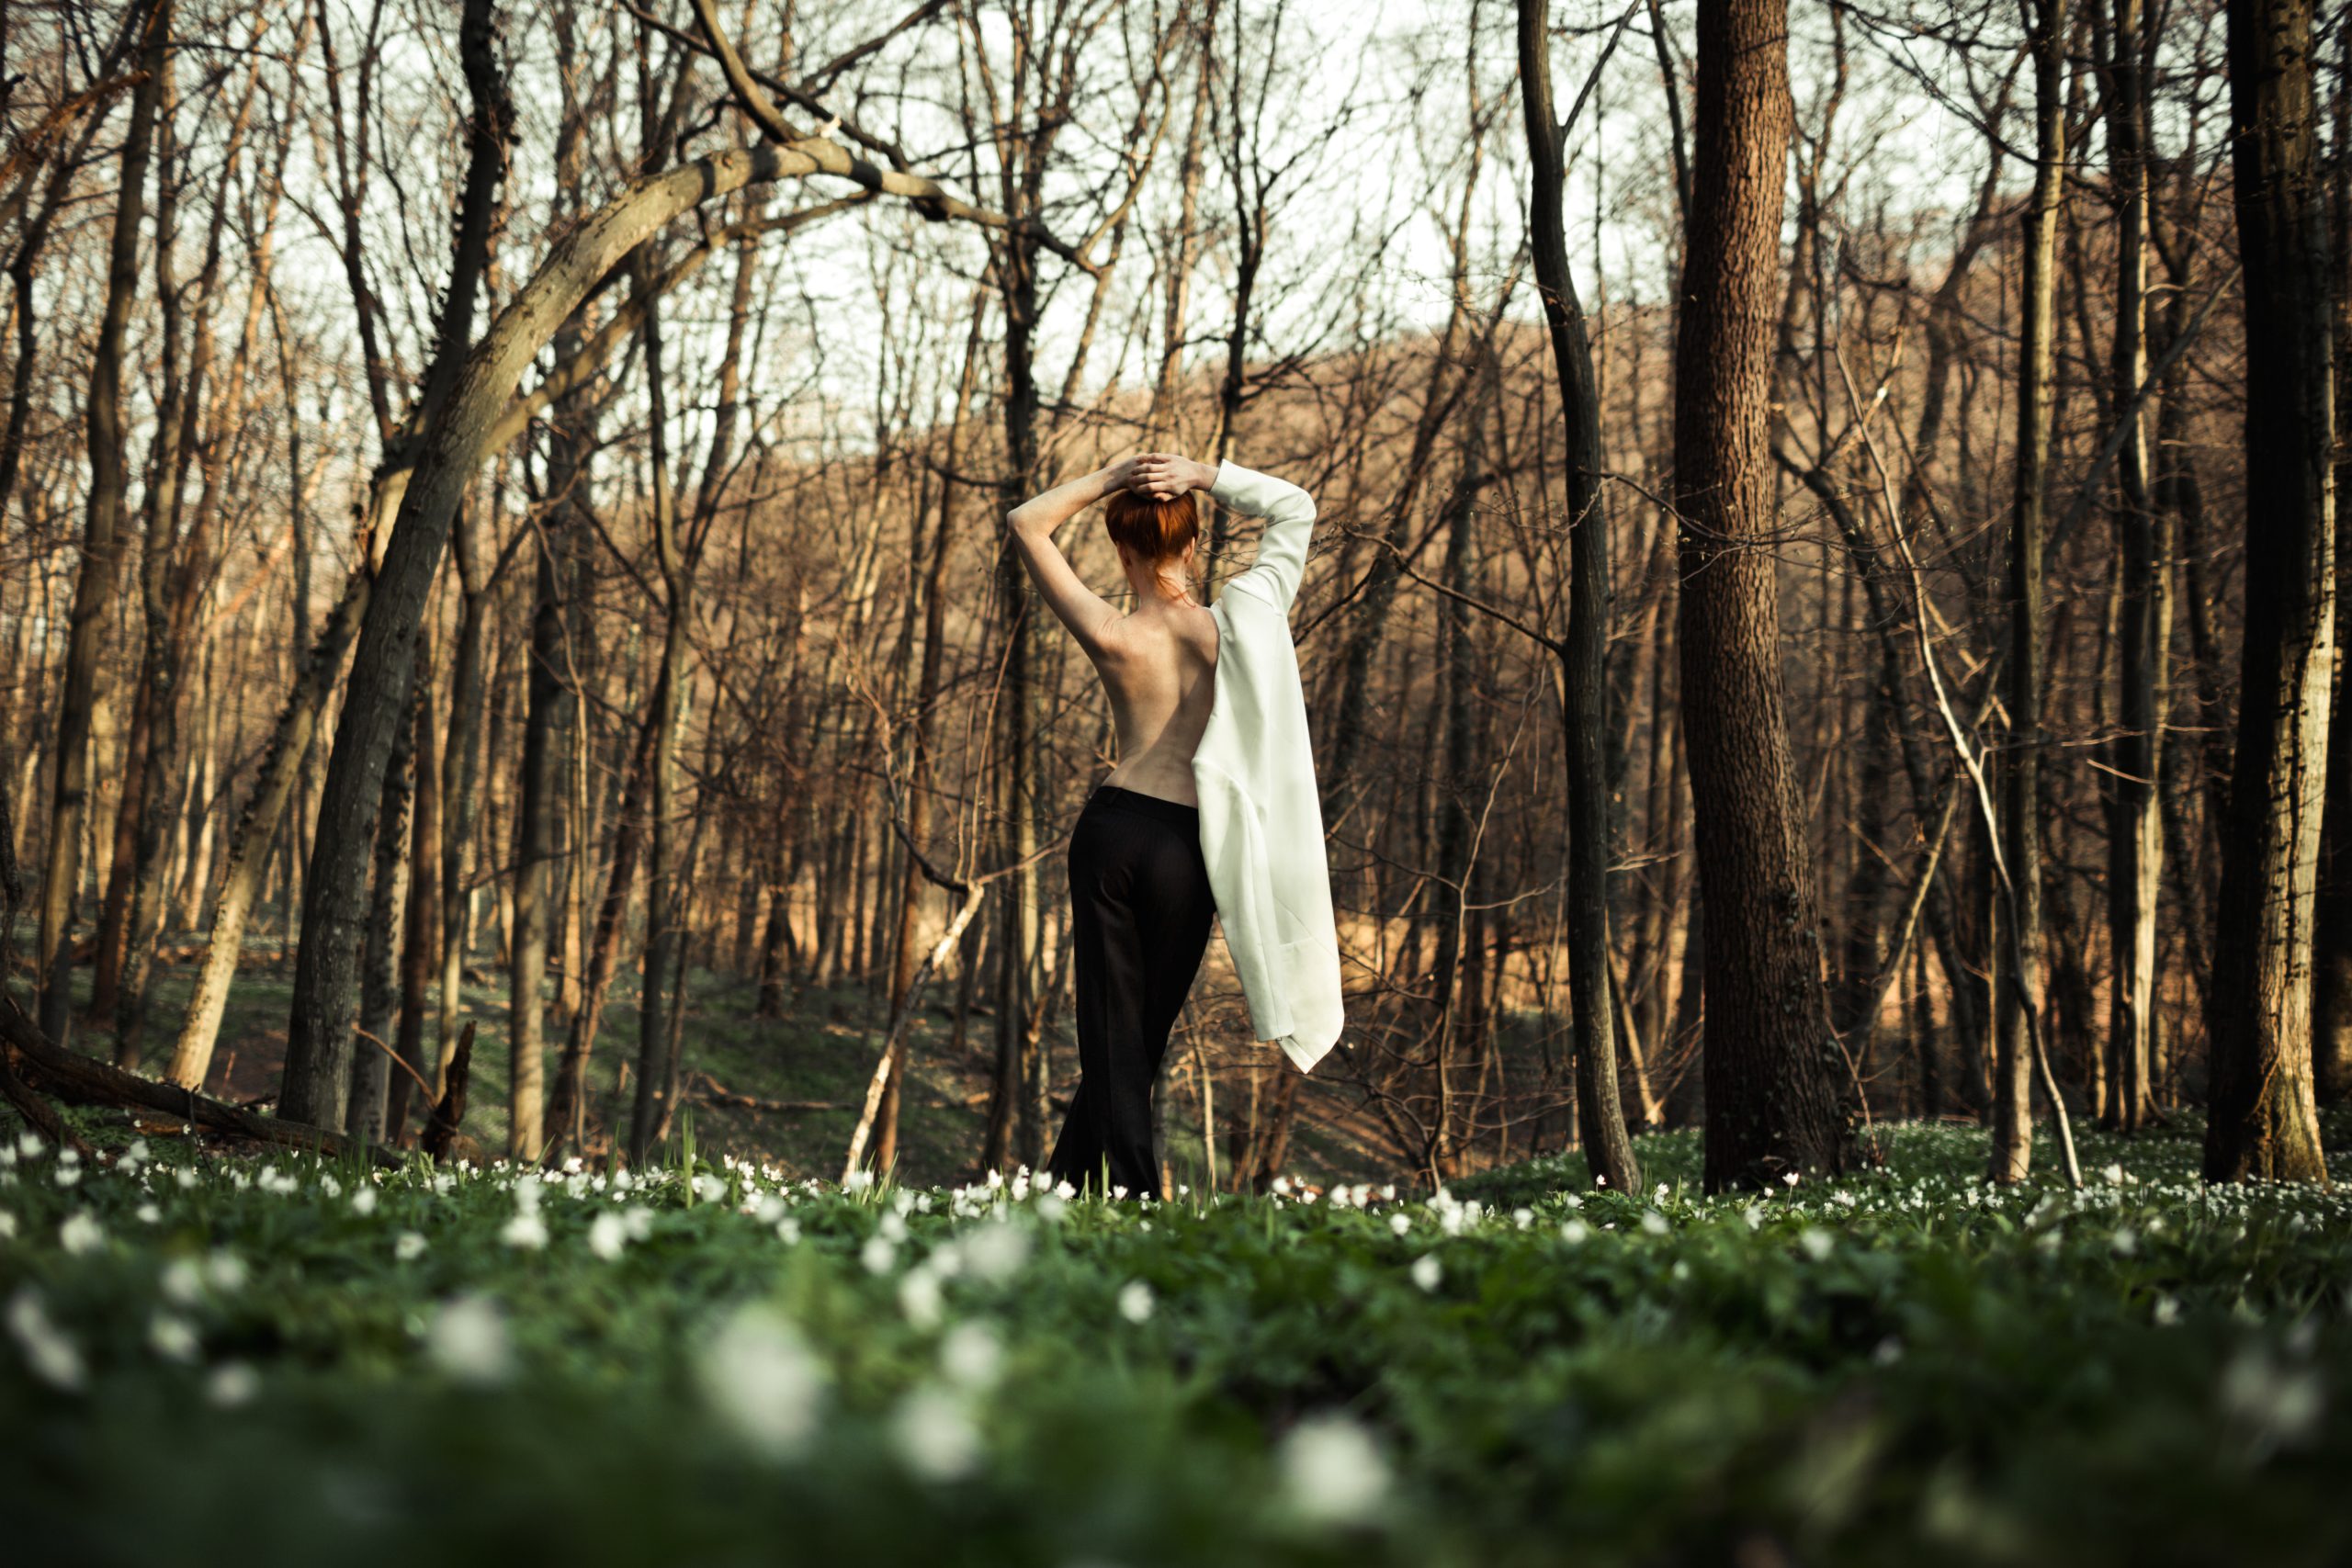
point(1159, 662)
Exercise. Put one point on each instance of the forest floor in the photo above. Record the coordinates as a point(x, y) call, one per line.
point(823, 1049)
point(214, 1357)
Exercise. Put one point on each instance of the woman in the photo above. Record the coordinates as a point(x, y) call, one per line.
point(1210, 714)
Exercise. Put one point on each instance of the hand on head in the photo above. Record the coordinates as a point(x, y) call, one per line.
point(1163, 476)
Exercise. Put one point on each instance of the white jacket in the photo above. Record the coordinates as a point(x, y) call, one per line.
point(1261, 820)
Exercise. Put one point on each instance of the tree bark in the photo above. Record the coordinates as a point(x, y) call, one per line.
point(1600, 1112)
point(2135, 831)
point(1772, 1063)
point(102, 548)
point(2018, 962)
point(463, 393)
point(2264, 1121)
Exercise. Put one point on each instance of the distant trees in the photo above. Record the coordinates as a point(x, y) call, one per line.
point(525, 626)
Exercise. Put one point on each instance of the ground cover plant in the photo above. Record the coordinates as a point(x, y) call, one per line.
point(222, 1357)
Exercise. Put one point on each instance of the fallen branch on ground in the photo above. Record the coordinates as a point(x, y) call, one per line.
point(88, 1079)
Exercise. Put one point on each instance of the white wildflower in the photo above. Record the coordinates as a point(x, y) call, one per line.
point(935, 1435)
point(1574, 1232)
point(409, 1247)
point(607, 1233)
point(1135, 1302)
point(920, 1297)
point(468, 1340)
point(182, 1283)
point(995, 1251)
point(171, 1337)
point(2278, 1403)
point(81, 1233)
point(1331, 1471)
point(1428, 1271)
point(758, 1374)
point(1817, 1242)
point(232, 1383)
point(50, 1354)
point(878, 1253)
point(971, 1356)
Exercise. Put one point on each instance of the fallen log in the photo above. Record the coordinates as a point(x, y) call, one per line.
point(710, 1091)
point(87, 1079)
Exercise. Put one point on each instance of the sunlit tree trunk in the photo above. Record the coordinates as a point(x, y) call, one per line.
point(102, 547)
point(2263, 1120)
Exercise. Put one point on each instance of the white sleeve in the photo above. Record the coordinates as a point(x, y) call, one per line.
point(1289, 512)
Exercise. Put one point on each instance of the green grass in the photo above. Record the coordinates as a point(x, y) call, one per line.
point(725, 1364)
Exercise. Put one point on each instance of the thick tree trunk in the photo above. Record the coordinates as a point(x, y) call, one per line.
point(2332, 934)
point(1773, 1066)
point(2263, 1121)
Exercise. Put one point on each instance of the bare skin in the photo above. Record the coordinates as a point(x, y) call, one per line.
point(1158, 660)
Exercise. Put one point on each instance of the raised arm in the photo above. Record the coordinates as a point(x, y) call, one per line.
point(1289, 512)
point(1079, 607)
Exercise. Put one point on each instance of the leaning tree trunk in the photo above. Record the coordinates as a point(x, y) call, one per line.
point(1600, 1114)
point(2264, 1121)
point(463, 394)
point(102, 545)
point(2019, 962)
point(1771, 1065)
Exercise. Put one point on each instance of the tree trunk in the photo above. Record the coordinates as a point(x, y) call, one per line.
point(102, 548)
point(661, 883)
point(1771, 1064)
point(2135, 831)
point(2332, 934)
point(2264, 1121)
point(1600, 1112)
point(2019, 961)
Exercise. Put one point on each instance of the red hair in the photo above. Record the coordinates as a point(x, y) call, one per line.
point(1154, 530)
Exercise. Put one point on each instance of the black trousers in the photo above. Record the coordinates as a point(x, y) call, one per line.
point(1140, 907)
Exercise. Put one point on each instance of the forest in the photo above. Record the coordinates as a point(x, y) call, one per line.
point(536, 793)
